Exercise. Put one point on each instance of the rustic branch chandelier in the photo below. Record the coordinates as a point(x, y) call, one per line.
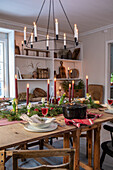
point(33, 38)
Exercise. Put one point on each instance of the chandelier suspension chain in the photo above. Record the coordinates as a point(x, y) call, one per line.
point(37, 18)
point(49, 17)
point(66, 16)
point(54, 20)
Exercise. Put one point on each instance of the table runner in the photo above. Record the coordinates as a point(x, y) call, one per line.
point(78, 122)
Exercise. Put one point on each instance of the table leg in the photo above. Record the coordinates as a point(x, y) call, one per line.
point(89, 139)
point(76, 146)
point(2, 159)
point(97, 148)
point(66, 145)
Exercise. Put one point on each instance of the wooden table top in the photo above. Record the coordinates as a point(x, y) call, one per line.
point(15, 134)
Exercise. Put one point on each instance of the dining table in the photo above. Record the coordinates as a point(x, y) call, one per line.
point(15, 136)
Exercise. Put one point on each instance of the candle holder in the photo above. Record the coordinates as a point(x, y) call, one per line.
point(16, 101)
point(54, 100)
point(47, 103)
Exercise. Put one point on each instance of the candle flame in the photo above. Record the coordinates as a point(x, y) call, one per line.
point(77, 30)
point(56, 21)
point(55, 79)
point(70, 71)
point(27, 85)
point(64, 35)
point(24, 28)
point(73, 82)
point(15, 76)
point(22, 42)
point(69, 85)
point(75, 26)
point(86, 76)
point(34, 23)
point(59, 87)
point(48, 81)
point(68, 68)
point(32, 34)
point(47, 37)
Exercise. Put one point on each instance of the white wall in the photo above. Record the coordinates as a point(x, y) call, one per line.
point(94, 55)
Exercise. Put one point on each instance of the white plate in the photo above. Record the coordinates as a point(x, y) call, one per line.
point(108, 111)
point(30, 128)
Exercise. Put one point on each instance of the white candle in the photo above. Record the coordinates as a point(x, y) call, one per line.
point(77, 34)
point(35, 29)
point(24, 33)
point(47, 42)
point(56, 26)
point(31, 38)
point(75, 30)
point(64, 39)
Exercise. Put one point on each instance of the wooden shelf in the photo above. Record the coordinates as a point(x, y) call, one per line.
point(62, 79)
point(66, 60)
point(33, 79)
point(33, 57)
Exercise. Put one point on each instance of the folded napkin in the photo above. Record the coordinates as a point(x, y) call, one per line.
point(78, 122)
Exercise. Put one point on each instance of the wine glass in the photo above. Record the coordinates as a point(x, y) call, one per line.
point(44, 111)
point(110, 101)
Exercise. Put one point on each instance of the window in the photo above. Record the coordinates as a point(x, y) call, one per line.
point(1, 70)
point(3, 66)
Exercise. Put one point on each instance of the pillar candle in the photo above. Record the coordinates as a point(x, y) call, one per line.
point(16, 87)
point(68, 72)
point(27, 95)
point(55, 88)
point(72, 89)
point(48, 90)
point(86, 83)
point(69, 92)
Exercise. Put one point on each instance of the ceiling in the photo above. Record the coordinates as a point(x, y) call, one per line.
point(87, 14)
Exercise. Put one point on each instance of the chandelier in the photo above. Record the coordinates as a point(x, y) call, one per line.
point(66, 43)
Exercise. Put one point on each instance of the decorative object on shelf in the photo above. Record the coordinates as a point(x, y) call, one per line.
point(17, 49)
point(27, 95)
point(62, 70)
point(16, 87)
point(34, 75)
point(37, 51)
point(75, 55)
point(22, 48)
point(27, 76)
point(78, 88)
point(43, 73)
point(65, 41)
point(22, 96)
point(38, 92)
point(73, 73)
point(69, 55)
point(63, 53)
point(18, 73)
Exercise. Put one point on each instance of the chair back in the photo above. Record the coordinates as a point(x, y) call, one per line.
point(96, 92)
point(23, 154)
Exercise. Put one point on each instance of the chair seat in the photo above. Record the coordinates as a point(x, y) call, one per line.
point(107, 148)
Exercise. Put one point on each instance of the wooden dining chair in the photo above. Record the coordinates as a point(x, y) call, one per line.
point(96, 92)
point(24, 154)
point(107, 146)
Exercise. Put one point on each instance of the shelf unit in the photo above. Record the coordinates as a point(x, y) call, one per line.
point(23, 61)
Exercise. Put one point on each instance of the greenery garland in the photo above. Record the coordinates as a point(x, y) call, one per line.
point(53, 110)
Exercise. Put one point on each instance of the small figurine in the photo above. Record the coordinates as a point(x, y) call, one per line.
point(34, 75)
point(62, 70)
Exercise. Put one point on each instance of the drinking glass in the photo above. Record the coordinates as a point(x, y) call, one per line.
point(44, 111)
